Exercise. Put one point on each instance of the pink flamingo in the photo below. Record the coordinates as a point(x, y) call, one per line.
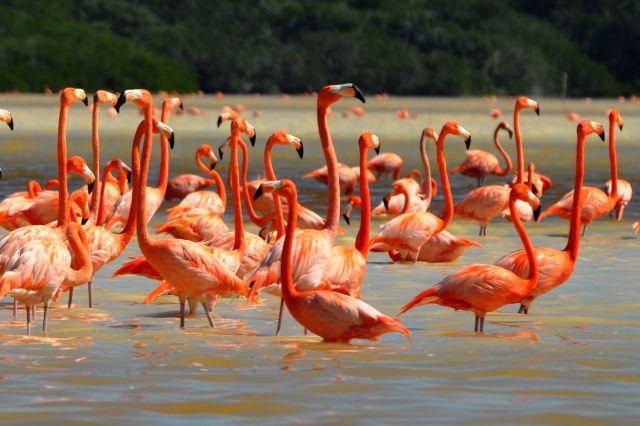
point(408, 232)
point(479, 164)
point(347, 177)
point(387, 163)
point(185, 184)
point(335, 317)
point(15, 203)
point(625, 192)
point(596, 202)
point(6, 117)
point(115, 187)
point(556, 266)
point(484, 288)
point(486, 202)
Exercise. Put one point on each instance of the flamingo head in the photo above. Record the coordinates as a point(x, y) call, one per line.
point(453, 128)
point(78, 166)
point(615, 118)
point(334, 92)
point(505, 126)
point(79, 207)
point(75, 229)
point(586, 127)
point(141, 97)
point(281, 137)
point(354, 201)
point(283, 187)
point(51, 185)
point(71, 95)
point(521, 191)
point(104, 97)
point(118, 164)
point(165, 130)
point(523, 102)
point(228, 114)
point(430, 132)
point(369, 140)
point(241, 125)
point(206, 151)
point(6, 117)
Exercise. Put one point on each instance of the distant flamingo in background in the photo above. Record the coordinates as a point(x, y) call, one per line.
point(486, 202)
point(484, 288)
point(183, 185)
point(479, 164)
point(387, 163)
point(556, 266)
point(596, 202)
point(15, 203)
point(624, 187)
point(333, 316)
point(114, 188)
point(407, 233)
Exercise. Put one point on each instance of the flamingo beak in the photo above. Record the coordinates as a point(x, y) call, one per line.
point(84, 220)
point(219, 120)
point(129, 176)
point(172, 140)
point(535, 190)
point(385, 201)
point(213, 165)
point(220, 152)
point(122, 99)
point(258, 193)
point(90, 187)
point(620, 126)
point(602, 135)
point(300, 150)
point(536, 213)
point(10, 124)
point(467, 142)
point(181, 105)
point(537, 109)
point(252, 139)
point(347, 215)
point(85, 101)
point(359, 95)
point(0, 174)
point(377, 149)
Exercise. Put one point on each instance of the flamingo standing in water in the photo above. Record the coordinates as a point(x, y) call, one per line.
point(387, 163)
point(408, 232)
point(556, 266)
point(194, 270)
point(484, 203)
point(183, 185)
point(312, 248)
point(484, 288)
point(115, 187)
point(17, 202)
point(596, 202)
point(347, 177)
point(479, 164)
point(625, 191)
point(334, 316)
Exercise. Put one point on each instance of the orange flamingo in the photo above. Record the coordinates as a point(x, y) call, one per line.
point(486, 202)
point(115, 187)
point(183, 185)
point(625, 192)
point(479, 164)
point(335, 317)
point(347, 177)
point(387, 163)
point(556, 266)
point(123, 206)
point(14, 204)
point(194, 270)
point(408, 232)
point(484, 288)
point(312, 247)
point(596, 202)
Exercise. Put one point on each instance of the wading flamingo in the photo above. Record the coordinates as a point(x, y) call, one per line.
point(596, 202)
point(14, 204)
point(408, 232)
point(311, 248)
point(484, 288)
point(347, 177)
point(194, 270)
point(335, 317)
point(387, 163)
point(115, 187)
point(556, 266)
point(625, 191)
point(486, 202)
point(479, 164)
point(6, 117)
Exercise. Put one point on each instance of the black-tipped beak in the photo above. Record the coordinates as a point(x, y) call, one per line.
point(377, 149)
point(258, 193)
point(264, 234)
point(129, 176)
point(172, 140)
point(84, 220)
point(510, 133)
point(220, 152)
point(181, 104)
point(252, 139)
point(0, 174)
point(602, 135)
point(300, 151)
point(121, 101)
point(10, 124)
point(90, 187)
point(537, 110)
point(620, 126)
point(219, 120)
point(467, 142)
point(385, 201)
point(359, 94)
point(212, 165)
point(346, 218)
point(536, 213)
point(85, 101)
point(535, 190)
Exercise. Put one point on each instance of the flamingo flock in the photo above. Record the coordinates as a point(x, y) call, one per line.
point(58, 241)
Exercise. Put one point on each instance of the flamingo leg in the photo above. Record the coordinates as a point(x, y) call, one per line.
point(584, 229)
point(182, 303)
point(481, 324)
point(208, 314)
point(522, 309)
point(620, 213)
point(28, 320)
point(90, 290)
point(70, 302)
point(33, 312)
point(15, 309)
point(44, 316)
point(306, 331)
point(477, 324)
point(280, 316)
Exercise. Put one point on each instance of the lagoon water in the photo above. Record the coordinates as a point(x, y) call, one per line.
point(573, 360)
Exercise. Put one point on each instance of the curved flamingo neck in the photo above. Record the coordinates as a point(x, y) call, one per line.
point(63, 195)
point(332, 169)
point(526, 242)
point(130, 226)
point(426, 183)
point(163, 176)
point(95, 148)
point(447, 212)
point(253, 215)
point(33, 188)
point(144, 241)
point(288, 288)
point(123, 187)
point(519, 147)
point(404, 192)
point(271, 175)
point(573, 243)
point(235, 189)
point(613, 158)
point(503, 152)
point(362, 239)
point(222, 192)
point(101, 208)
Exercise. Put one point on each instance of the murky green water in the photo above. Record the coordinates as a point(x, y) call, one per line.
point(573, 360)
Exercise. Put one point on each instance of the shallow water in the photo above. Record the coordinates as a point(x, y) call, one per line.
point(573, 360)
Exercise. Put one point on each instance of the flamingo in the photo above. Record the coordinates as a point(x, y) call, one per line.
point(408, 232)
point(15, 203)
point(348, 265)
point(596, 202)
point(484, 203)
point(115, 187)
point(556, 266)
point(185, 184)
point(484, 288)
point(480, 164)
point(312, 247)
point(387, 163)
point(347, 177)
point(156, 194)
point(537, 185)
point(334, 316)
point(406, 195)
point(625, 192)
point(194, 270)
point(6, 117)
